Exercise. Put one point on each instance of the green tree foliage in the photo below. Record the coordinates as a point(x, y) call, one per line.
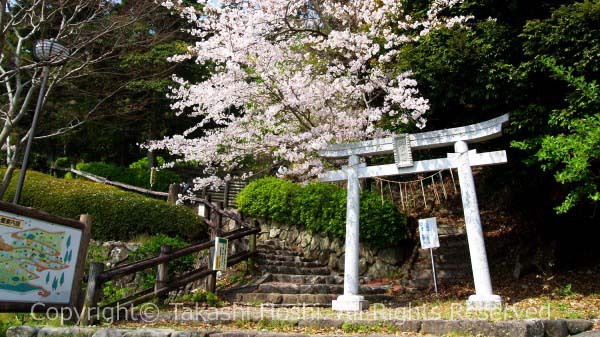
point(572, 151)
point(564, 50)
point(530, 59)
point(117, 215)
point(321, 208)
point(127, 93)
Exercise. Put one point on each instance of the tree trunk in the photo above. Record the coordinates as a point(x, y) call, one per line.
point(8, 174)
point(151, 159)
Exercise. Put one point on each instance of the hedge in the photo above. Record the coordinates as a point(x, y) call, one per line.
point(321, 208)
point(133, 176)
point(117, 215)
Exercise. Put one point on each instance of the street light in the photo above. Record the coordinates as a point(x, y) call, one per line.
point(50, 53)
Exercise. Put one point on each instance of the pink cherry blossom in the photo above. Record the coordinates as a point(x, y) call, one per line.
point(293, 76)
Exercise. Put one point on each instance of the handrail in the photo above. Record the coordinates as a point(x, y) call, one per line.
point(184, 279)
point(97, 276)
point(155, 261)
point(102, 180)
point(229, 214)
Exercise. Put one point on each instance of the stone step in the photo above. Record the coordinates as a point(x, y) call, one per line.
point(273, 257)
point(295, 270)
point(441, 274)
point(296, 299)
point(299, 299)
point(454, 241)
point(446, 255)
point(280, 252)
point(442, 266)
point(428, 282)
point(292, 288)
point(297, 264)
point(451, 231)
point(308, 279)
point(272, 243)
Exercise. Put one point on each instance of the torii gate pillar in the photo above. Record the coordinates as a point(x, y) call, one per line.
point(484, 297)
point(351, 300)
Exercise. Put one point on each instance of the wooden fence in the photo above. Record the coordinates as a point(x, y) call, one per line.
point(226, 194)
point(214, 216)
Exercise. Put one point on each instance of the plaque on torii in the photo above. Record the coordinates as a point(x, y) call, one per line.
point(401, 146)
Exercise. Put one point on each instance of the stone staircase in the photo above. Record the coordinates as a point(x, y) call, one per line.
point(452, 262)
point(290, 279)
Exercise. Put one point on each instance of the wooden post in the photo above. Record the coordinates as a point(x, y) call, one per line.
point(90, 301)
point(173, 193)
point(226, 194)
point(162, 272)
point(211, 282)
point(211, 279)
point(218, 219)
point(252, 248)
point(77, 299)
point(215, 230)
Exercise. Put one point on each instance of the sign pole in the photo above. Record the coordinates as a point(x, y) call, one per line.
point(433, 270)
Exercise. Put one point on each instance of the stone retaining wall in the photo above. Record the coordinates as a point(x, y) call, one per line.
point(526, 328)
point(374, 263)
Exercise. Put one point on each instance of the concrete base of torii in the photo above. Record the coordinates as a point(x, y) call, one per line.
point(350, 303)
point(484, 302)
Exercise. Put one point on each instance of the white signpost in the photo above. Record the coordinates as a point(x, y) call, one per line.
point(428, 232)
point(401, 146)
point(220, 254)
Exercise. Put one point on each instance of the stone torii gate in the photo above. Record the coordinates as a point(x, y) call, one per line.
point(402, 146)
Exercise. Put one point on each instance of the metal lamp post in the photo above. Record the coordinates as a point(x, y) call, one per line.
point(51, 53)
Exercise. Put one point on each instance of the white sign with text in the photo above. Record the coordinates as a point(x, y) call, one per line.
point(428, 232)
point(220, 254)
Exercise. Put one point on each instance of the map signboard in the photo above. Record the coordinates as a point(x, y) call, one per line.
point(428, 233)
point(220, 255)
point(41, 258)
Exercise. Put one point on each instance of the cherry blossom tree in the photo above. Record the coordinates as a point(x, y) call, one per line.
point(294, 75)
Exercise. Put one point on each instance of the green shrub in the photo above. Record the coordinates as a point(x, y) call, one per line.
point(63, 162)
point(144, 163)
point(321, 208)
point(118, 215)
point(270, 198)
point(136, 176)
point(151, 248)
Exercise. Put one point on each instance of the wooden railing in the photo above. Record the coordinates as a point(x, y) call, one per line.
point(214, 213)
point(106, 181)
point(213, 216)
point(165, 283)
point(226, 194)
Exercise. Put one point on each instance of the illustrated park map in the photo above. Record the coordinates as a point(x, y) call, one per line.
point(37, 259)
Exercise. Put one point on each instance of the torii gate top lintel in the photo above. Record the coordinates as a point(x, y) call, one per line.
point(419, 141)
